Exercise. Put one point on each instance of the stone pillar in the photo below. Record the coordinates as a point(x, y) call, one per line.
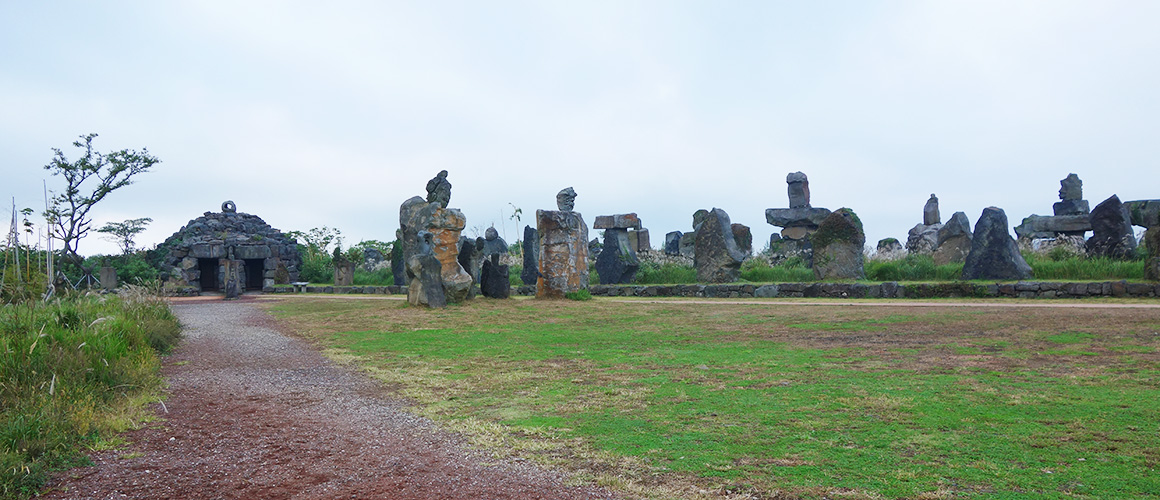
point(108, 278)
point(563, 252)
point(716, 256)
point(1152, 262)
point(531, 246)
point(231, 277)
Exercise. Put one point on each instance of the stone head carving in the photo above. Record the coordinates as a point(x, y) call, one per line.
point(1071, 188)
point(439, 190)
point(491, 234)
point(566, 199)
point(799, 190)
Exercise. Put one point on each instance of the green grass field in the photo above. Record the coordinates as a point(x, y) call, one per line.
point(710, 400)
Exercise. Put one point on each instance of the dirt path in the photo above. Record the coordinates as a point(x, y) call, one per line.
point(255, 414)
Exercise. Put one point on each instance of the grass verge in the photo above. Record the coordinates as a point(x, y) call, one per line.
point(74, 373)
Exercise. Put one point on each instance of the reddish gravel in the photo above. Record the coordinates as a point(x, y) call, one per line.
point(254, 414)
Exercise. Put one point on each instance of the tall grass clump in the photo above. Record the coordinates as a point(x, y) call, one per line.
point(72, 374)
point(653, 273)
point(1059, 266)
point(792, 270)
point(378, 277)
point(913, 267)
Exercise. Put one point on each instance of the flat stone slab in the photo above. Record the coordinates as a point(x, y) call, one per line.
point(790, 217)
point(617, 221)
point(1050, 224)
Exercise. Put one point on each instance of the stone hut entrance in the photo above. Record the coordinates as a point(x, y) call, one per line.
point(197, 252)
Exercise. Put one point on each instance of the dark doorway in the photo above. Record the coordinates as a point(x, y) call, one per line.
point(255, 269)
point(209, 274)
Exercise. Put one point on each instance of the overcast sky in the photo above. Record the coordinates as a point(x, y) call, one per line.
point(333, 113)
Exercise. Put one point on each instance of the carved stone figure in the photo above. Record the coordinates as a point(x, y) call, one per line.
point(566, 199)
point(439, 190)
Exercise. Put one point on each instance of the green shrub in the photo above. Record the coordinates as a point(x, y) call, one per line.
point(514, 277)
point(70, 370)
point(581, 294)
point(378, 277)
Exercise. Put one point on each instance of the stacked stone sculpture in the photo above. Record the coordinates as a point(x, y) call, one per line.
point(563, 249)
point(1112, 234)
point(994, 254)
point(798, 221)
point(837, 245)
point(717, 258)
point(426, 286)
point(1070, 215)
point(493, 280)
point(923, 238)
point(617, 262)
point(445, 226)
point(954, 240)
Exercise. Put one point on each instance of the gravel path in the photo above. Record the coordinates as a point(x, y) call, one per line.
point(255, 414)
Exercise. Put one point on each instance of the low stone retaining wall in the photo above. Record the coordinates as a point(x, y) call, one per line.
point(888, 290)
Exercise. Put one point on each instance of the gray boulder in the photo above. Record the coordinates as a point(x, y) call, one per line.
point(744, 238)
point(954, 240)
point(838, 246)
point(796, 217)
point(716, 256)
point(471, 256)
point(688, 244)
point(923, 239)
point(1112, 234)
point(994, 254)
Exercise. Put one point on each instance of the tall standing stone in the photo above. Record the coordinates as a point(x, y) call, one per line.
point(471, 256)
point(108, 278)
point(1112, 234)
point(673, 243)
point(1152, 263)
point(531, 271)
point(563, 249)
point(716, 256)
point(838, 246)
point(398, 264)
point(494, 281)
point(232, 277)
point(930, 215)
point(445, 226)
point(994, 254)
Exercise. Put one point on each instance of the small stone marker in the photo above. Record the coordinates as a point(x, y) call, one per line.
point(1112, 234)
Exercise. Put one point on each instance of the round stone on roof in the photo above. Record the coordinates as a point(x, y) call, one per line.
point(229, 207)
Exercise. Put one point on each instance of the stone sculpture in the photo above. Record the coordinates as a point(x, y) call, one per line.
point(445, 226)
point(1145, 213)
point(426, 286)
point(531, 271)
point(743, 237)
point(798, 221)
point(563, 249)
point(922, 239)
point(1112, 234)
point(471, 256)
point(439, 190)
point(716, 256)
point(493, 279)
point(343, 268)
point(1070, 215)
point(889, 249)
point(838, 246)
point(994, 254)
point(398, 264)
point(689, 239)
point(617, 262)
point(954, 240)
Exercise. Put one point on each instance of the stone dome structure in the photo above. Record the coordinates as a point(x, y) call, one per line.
point(263, 255)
